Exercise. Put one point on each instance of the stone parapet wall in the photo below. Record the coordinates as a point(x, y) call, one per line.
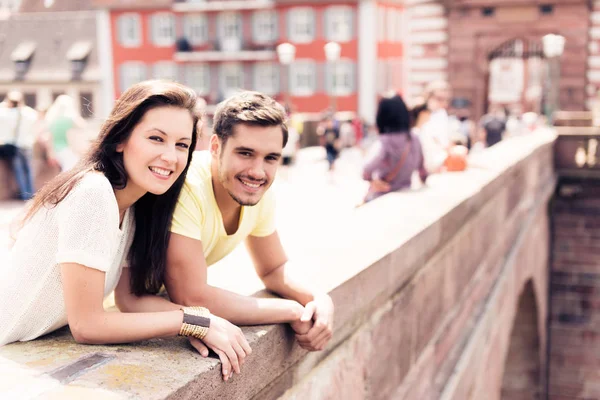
point(426, 286)
point(441, 325)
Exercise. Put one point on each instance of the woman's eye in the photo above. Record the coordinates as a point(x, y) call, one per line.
point(156, 138)
point(183, 145)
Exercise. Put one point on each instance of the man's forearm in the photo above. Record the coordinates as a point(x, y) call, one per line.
point(145, 303)
point(242, 310)
point(285, 284)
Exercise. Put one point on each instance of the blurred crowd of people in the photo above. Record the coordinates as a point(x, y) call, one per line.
point(414, 142)
point(45, 134)
point(428, 137)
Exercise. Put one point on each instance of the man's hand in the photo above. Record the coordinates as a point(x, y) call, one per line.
point(302, 327)
point(320, 313)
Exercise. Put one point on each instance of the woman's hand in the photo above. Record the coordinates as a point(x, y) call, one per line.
point(380, 186)
point(228, 341)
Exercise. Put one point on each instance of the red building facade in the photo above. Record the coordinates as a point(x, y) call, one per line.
point(218, 47)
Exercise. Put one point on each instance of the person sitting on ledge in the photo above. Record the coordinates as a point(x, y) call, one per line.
point(103, 225)
point(226, 200)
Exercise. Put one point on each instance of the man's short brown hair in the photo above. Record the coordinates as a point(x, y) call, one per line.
point(248, 108)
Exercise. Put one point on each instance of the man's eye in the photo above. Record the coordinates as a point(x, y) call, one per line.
point(245, 153)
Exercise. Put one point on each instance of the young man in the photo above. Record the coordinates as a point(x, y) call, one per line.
point(225, 201)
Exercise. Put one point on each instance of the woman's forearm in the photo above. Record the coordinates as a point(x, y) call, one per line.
point(116, 327)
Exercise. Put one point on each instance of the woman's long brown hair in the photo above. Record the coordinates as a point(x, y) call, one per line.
point(153, 213)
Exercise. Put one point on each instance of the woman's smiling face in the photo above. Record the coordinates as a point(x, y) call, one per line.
point(157, 150)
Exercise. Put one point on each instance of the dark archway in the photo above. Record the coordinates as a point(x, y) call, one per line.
point(523, 369)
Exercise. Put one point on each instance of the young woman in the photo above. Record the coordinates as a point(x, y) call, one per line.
point(398, 154)
point(104, 225)
point(62, 120)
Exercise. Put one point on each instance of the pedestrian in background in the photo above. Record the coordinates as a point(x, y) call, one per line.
point(330, 139)
point(203, 129)
point(17, 137)
point(434, 132)
point(493, 125)
point(288, 154)
point(63, 119)
point(398, 153)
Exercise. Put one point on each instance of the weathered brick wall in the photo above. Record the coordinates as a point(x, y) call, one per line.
point(575, 293)
point(472, 36)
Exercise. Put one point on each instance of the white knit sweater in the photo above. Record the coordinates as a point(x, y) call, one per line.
point(82, 229)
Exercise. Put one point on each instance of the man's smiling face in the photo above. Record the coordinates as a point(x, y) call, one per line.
point(248, 161)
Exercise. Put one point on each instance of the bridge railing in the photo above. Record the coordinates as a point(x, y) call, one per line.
point(425, 285)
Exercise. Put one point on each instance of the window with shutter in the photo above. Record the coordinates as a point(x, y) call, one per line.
point(165, 70)
point(232, 78)
point(129, 30)
point(301, 24)
point(339, 22)
point(266, 78)
point(265, 26)
point(162, 27)
point(131, 73)
point(195, 28)
point(303, 78)
point(341, 78)
point(197, 76)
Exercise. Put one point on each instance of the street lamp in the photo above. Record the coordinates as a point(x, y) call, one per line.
point(332, 54)
point(554, 45)
point(286, 52)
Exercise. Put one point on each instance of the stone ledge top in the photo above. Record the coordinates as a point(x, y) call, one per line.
point(56, 367)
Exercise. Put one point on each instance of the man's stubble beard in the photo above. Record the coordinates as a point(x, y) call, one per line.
point(223, 181)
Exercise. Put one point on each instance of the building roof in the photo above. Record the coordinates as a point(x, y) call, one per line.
point(132, 4)
point(49, 41)
point(31, 6)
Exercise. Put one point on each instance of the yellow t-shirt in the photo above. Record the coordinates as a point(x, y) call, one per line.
point(197, 215)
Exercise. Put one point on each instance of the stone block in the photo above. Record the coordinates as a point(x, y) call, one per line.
point(341, 375)
point(392, 347)
point(428, 300)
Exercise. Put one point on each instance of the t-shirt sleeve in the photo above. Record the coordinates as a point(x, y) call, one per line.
point(88, 224)
point(187, 218)
point(265, 224)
